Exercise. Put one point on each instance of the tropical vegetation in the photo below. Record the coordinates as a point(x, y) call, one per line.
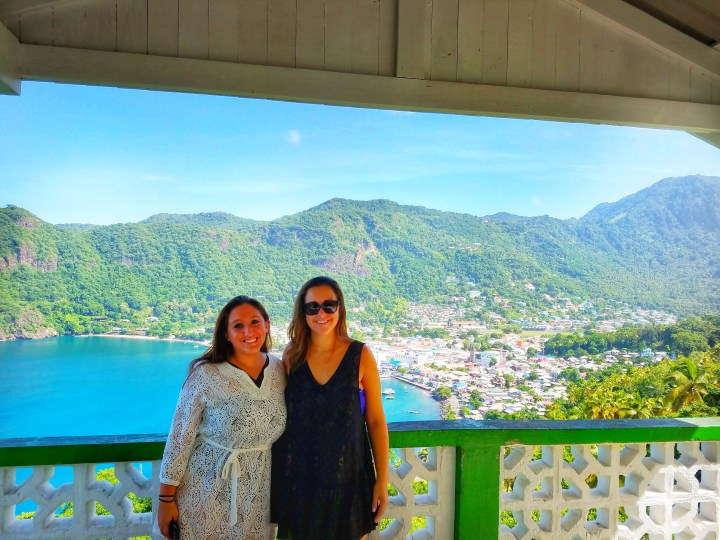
point(169, 274)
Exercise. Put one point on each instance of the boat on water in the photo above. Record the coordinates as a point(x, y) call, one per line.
point(388, 392)
point(413, 411)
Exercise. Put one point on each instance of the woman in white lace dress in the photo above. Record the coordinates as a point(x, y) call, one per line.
point(215, 472)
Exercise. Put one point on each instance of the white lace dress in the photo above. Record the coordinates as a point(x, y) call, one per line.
point(218, 451)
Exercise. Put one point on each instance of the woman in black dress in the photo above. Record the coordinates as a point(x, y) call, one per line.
point(331, 466)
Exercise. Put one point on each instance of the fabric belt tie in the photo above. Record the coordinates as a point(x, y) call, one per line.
point(232, 469)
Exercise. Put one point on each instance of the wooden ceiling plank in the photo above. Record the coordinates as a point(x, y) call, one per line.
point(544, 44)
point(679, 82)
point(411, 38)
point(444, 40)
point(69, 26)
point(567, 48)
point(193, 29)
point(101, 25)
point(253, 32)
point(9, 62)
point(223, 30)
point(338, 35)
point(282, 29)
point(365, 37)
point(592, 43)
point(655, 33)
point(310, 38)
point(387, 43)
point(701, 88)
point(470, 40)
point(495, 36)
point(163, 26)
point(36, 28)
point(132, 26)
point(99, 68)
point(520, 26)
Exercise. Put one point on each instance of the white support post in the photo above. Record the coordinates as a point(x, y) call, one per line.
point(9, 62)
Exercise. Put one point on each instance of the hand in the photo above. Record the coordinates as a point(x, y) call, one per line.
point(380, 499)
point(166, 513)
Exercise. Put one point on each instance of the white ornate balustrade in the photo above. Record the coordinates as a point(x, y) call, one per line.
point(665, 490)
point(565, 480)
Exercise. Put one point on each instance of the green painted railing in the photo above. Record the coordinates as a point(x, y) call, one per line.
point(478, 446)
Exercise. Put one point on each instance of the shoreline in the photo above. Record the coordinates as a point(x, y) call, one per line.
point(142, 338)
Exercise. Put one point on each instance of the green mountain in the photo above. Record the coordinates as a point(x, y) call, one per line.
point(171, 273)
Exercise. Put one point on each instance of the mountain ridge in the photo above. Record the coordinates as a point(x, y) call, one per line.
point(657, 247)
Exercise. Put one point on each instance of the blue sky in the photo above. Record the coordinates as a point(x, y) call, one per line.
point(76, 154)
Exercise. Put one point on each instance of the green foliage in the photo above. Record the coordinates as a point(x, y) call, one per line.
point(698, 333)
point(686, 387)
point(139, 504)
point(475, 399)
point(171, 274)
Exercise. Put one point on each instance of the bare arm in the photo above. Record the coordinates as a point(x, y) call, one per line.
point(377, 428)
point(181, 440)
point(167, 511)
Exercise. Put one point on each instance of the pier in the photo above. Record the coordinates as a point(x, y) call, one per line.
point(410, 381)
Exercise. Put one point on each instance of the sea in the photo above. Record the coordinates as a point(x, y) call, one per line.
point(97, 385)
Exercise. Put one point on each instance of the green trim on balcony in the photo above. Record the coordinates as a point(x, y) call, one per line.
point(478, 445)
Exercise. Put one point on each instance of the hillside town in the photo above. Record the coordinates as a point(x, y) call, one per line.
point(508, 368)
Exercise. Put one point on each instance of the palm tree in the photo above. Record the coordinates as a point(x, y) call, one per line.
point(691, 384)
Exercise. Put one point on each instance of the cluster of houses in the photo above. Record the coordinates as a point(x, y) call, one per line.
point(514, 373)
point(508, 380)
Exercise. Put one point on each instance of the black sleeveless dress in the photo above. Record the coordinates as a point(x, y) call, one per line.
point(323, 472)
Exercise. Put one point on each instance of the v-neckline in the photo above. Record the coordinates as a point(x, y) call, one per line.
point(262, 372)
point(337, 368)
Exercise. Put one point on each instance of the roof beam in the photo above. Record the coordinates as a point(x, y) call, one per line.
point(20, 7)
point(656, 33)
point(125, 70)
point(710, 138)
point(9, 62)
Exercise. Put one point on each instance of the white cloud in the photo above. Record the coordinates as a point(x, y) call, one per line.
point(293, 137)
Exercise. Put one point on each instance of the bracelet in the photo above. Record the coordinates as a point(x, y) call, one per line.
point(166, 498)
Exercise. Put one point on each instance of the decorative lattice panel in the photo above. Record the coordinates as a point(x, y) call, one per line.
point(412, 513)
point(83, 492)
point(430, 514)
point(662, 490)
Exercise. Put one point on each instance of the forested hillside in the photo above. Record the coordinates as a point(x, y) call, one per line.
point(171, 273)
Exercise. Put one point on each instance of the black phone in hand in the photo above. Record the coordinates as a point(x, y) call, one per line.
point(174, 530)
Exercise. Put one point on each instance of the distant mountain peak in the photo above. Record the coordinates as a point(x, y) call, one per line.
point(223, 220)
point(688, 200)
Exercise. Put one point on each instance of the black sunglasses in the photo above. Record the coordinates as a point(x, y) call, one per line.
point(328, 306)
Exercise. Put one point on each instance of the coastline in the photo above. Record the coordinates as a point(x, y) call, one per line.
point(143, 338)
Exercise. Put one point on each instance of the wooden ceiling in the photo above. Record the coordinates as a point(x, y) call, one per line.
point(652, 63)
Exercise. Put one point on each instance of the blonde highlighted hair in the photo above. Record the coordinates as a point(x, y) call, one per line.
point(299, 332)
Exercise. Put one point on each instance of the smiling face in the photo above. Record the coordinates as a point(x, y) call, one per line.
point(322, 323)
point(246, 330)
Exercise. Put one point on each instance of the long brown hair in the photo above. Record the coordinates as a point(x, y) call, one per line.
point(220, 349)
point(299, 332)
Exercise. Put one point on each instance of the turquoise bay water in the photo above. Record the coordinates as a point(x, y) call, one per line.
point(75, 386)
point(112, 386)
